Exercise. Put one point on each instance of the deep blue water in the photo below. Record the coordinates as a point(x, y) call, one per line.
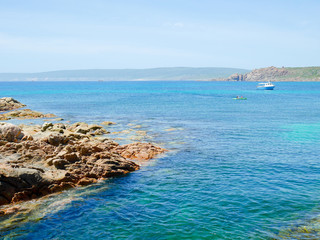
point(236, 170)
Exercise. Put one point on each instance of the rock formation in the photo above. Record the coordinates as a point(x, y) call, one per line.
point(39, 160)
point(24, 114)
point(139, 151)
point(8, 103)
point(262, 74)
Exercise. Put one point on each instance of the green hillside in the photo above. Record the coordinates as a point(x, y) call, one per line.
point(303, 73)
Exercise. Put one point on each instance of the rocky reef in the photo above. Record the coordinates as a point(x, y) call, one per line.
point(39, 160)
point(8, 103)
point(25, 114)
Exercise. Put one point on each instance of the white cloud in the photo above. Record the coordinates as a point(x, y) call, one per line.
point(175, 24)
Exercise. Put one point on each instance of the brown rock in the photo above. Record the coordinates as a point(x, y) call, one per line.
point(71, 157)
point(24, 114)
point(48, 162)
point(8, 103)
point(60, 163)
point(56, 139)
point(21, 196)
point(262, 74)
point(10, 132)
point(139, 151)
point(86, 181)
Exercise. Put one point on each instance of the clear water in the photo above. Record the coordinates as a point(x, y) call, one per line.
point(237, 169)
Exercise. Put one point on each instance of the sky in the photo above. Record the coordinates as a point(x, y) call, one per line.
point(38, 36)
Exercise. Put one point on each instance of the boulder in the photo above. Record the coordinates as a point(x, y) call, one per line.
point(56, 139)
point(10, 132)
point(46, 125)
point(8, 103)
point(18, 184)
point(60, 163)
point(71, 157)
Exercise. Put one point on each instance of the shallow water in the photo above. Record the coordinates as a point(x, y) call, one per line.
point(237, 170)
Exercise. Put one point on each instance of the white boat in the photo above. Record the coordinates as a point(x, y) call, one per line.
point(265, 86)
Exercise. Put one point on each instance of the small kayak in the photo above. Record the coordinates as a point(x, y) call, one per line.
point(243, 98)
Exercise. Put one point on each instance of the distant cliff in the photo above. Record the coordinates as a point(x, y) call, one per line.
point(299, 74)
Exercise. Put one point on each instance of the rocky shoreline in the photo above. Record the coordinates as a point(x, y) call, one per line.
point(39, 160)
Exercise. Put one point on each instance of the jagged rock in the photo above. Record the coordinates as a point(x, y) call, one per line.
point(18, 184)
point(269, 73)
point(262, 74)
point(48, 162)
point(8, 103)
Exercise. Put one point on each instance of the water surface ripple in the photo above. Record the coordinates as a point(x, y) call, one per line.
point(236, 170)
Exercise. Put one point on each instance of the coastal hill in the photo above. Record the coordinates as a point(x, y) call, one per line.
point(151, 74)
point(297, 74)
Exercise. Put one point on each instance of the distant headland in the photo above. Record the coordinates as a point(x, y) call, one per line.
point(284, 74)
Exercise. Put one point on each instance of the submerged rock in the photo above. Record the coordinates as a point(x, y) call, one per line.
point(107, 123)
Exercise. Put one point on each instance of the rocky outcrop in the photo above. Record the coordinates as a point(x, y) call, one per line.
point(36, 161)
point(262, 74)
point(8, 103)
point(24, 114)
point(237, 77)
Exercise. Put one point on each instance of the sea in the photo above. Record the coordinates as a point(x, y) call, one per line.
point(235, 169)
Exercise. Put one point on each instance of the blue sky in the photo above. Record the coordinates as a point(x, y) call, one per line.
point(42, 35)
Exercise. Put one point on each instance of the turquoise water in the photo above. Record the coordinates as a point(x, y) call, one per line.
point(236, 170)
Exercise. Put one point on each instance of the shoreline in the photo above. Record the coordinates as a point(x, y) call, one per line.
point(36, 161)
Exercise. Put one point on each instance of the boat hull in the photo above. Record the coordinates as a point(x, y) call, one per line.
point(266, 88)
point(239, 98)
